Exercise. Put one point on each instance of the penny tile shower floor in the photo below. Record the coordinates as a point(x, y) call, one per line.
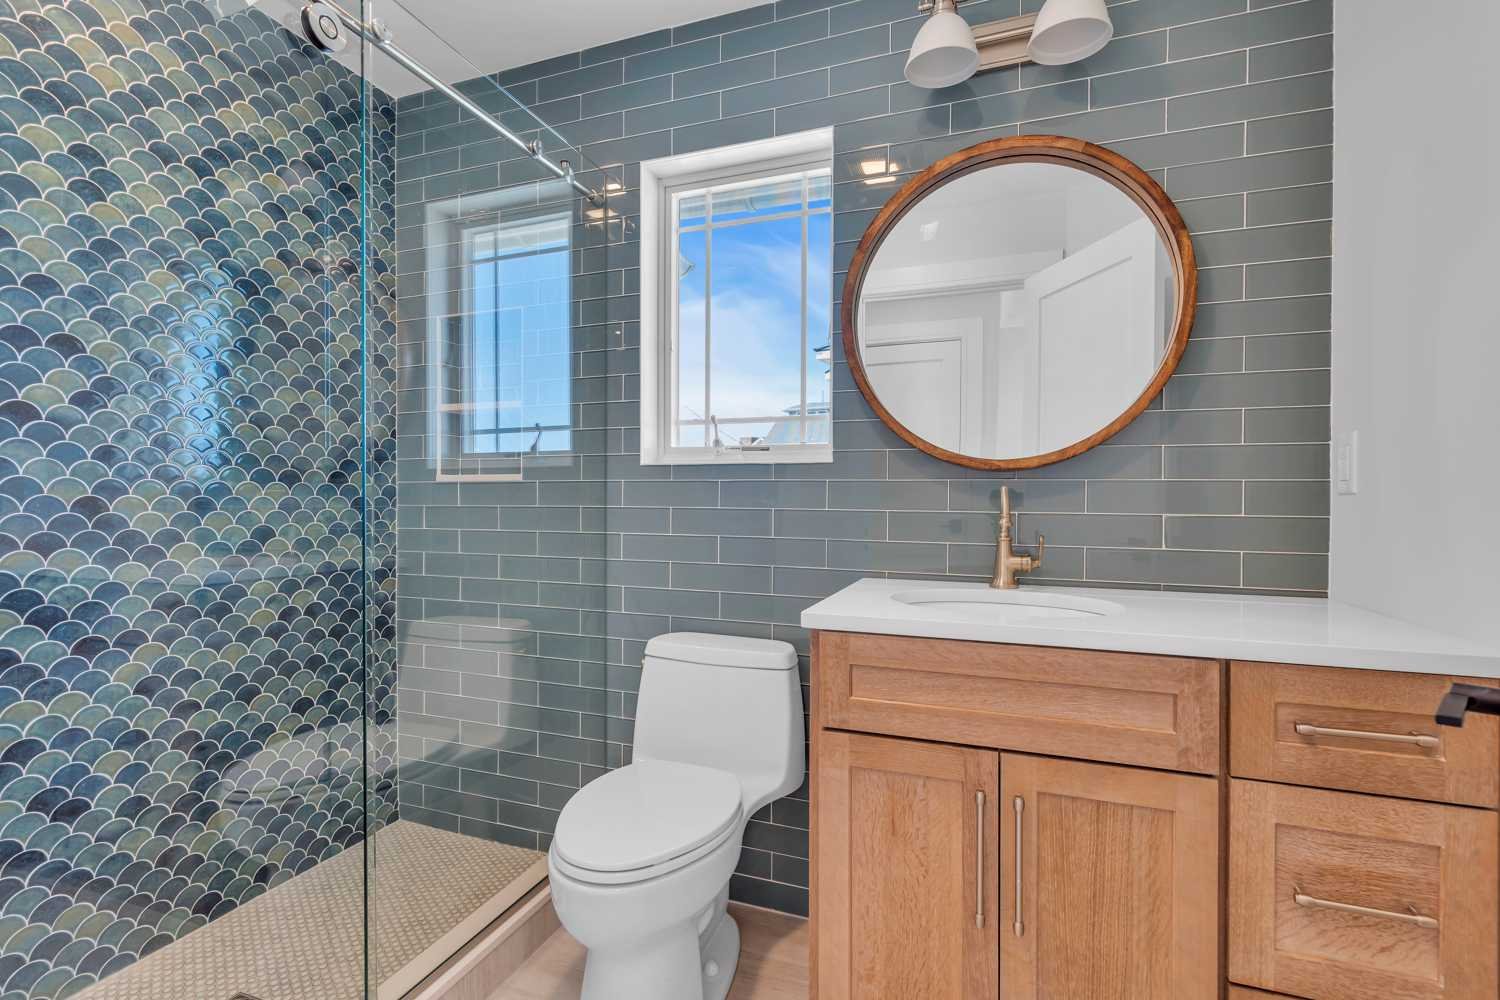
point(303, 939)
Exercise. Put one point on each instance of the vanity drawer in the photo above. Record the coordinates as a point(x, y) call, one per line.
point(1337, 896)
point(1361, 730)
point(1155, 711)
point(1244, 993)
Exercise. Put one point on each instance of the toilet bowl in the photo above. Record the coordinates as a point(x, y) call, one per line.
point(641, 858)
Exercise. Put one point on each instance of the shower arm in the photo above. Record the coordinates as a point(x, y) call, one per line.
point(379, 36)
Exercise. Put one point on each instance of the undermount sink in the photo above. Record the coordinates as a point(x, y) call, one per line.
point(1006, 607)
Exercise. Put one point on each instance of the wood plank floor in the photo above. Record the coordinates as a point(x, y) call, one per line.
point(773, 962)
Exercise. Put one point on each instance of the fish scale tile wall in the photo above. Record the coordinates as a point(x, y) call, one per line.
point(188, 475)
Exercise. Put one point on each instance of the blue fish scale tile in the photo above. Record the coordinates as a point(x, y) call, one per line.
point(197, 496)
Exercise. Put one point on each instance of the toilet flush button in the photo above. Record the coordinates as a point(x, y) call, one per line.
point(711, 969)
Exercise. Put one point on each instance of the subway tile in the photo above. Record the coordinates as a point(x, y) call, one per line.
point(1108, 125)
point(776, 93)
point(1247, 461)
point(723, 24)
point(721, 521)
point(893, 557)
point(707, 576)
point(1293, 204)
point(1255, 100)
point(725, 75)
point(1287, 424)
point(830, 524)
point(1251, 173)
point(1021, 105)
point(1310, 499)
point(1173, 497)
point(1288, 278)
point(888, 496)
point(1133, 18)
point(1241, 389)
point(1306, 55)
point(630, 95)
point(1164, 566)
point(1169, 80)
point(1130, 52)
point(1256, 28)
point(1266, 243)
point(1031, 495)
point(886, 69)
point(778, 552)
point(776, 35)
point(688, 111)
point(1309, 313)
point(1302, 350)
point(1310, 128)
point(832, 110)
point(1286, 571)
point(761, 125)
point(578, 81)
point(1249, 534)
point(689, 55)
point(833, 51)
point(1107, 530)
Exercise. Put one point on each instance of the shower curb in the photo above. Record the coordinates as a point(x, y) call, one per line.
point(492, 955)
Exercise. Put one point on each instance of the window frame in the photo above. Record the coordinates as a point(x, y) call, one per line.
point(661, 181)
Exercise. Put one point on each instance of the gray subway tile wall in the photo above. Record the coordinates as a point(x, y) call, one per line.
point(525, 606)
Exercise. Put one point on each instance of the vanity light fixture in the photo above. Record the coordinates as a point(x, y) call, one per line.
point(947, 51)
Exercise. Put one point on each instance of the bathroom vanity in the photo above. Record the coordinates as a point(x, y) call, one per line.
point(1081, 793)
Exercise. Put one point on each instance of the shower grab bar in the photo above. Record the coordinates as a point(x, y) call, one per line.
point(379, 36)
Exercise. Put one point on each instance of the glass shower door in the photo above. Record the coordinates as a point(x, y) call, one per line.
point(183, 576)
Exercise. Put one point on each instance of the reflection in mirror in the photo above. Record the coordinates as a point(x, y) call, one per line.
point(1016, 310)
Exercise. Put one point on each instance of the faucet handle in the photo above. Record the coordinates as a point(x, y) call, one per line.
point(1005, 506)
point(1041, 550)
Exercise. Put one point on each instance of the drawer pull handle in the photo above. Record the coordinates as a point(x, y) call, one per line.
point(979, 860)
point(1415, 739)
point(1020, 807)
point(1413, 917)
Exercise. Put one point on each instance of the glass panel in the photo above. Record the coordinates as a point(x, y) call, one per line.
point(503, 276)
point(692, 331)
point(189, 459)
point(755, 354)
point(819, 322)
point(757, 199)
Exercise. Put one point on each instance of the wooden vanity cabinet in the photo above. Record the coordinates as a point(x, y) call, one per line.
point(997, 822)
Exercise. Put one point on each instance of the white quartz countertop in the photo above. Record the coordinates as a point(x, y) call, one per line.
point(1308, 631)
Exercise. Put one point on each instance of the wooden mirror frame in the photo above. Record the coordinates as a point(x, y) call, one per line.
point(1075, 153)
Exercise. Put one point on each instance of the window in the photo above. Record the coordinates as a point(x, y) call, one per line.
point(516, 373)
point(498, 356)
point(737, 278)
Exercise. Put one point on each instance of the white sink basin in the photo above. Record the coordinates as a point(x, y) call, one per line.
point(1007, 607)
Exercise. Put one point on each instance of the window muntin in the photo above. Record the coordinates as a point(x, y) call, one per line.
point(750, 279)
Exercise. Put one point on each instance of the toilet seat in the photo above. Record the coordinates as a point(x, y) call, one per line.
point(646, 819)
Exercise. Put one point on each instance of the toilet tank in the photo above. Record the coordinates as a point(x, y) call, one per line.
point(726, 702)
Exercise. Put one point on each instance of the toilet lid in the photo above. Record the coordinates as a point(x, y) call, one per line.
point(646, 813)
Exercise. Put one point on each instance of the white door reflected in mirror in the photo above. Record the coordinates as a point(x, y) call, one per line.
point(1016, 310)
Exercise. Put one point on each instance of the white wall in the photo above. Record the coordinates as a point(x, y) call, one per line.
point(1416, 326)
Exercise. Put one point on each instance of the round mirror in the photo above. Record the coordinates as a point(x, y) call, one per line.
point(1019, 302)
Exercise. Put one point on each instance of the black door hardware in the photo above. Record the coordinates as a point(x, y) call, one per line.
point(1465, 698)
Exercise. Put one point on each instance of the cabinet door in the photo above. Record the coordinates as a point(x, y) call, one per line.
point(904, 870)
point(1109, 882)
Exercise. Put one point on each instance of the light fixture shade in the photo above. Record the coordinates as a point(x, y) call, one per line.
point(943, 53)
point(1069, 30)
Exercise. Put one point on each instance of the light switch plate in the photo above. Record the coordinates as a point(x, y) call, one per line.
point(1346, 463)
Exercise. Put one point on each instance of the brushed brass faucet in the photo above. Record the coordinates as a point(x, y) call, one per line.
point(1007, 564)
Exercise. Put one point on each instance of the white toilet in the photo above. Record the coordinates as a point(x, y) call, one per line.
point(641, 859)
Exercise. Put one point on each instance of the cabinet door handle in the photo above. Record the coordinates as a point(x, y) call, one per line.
point(1415, 739)
point(1019, 804)
point(979, 859)
point(1413, 917)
